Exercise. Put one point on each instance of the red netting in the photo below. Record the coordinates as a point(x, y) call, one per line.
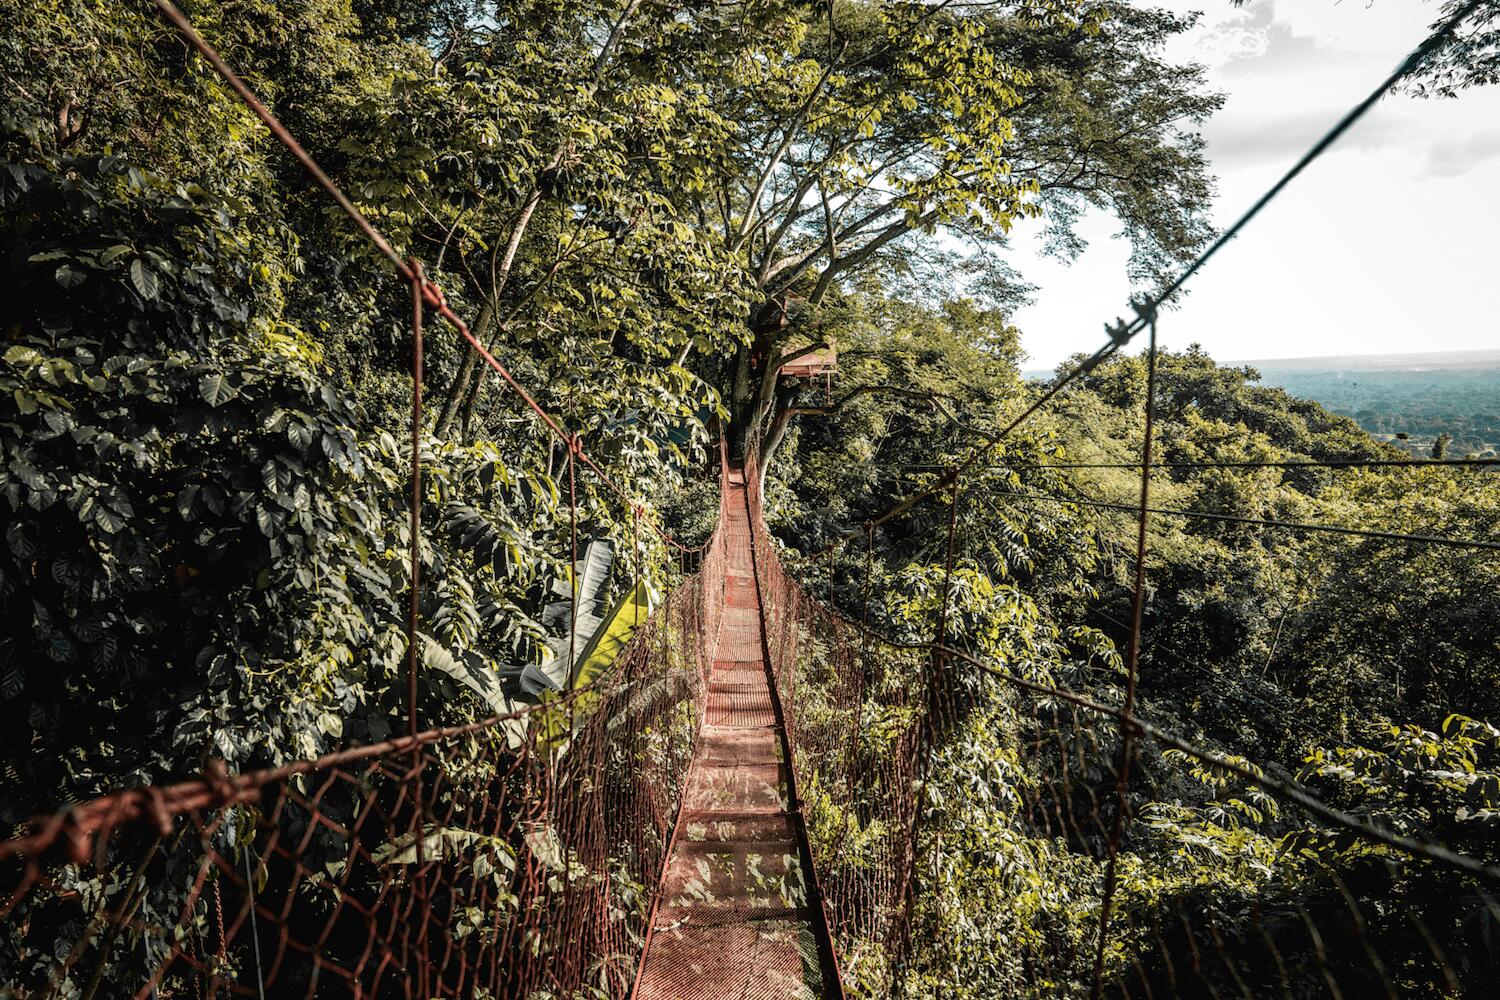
point(542, 838)
point(735, 917)
point(538, 854)
point(532, 855)
point(1305, 900)
point(856, 715)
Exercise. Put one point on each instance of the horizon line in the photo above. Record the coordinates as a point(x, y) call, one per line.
point(1472, 353)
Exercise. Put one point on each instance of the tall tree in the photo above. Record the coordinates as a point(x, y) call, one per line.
point(760, 162)
point(901, 139)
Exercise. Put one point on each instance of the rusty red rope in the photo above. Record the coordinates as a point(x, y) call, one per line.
point(411, 271)
point(1132, 665)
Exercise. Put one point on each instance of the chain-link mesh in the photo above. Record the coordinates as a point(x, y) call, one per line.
point(856, 711)
point(1233, 879)
point(737, 915)
point(513, 857)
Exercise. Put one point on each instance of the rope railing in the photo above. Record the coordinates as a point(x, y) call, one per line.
point(1292, 920)
point(408, 269)
point(1263, 522)
point(1305, 909)
point(514, 856)
point(1296, 463)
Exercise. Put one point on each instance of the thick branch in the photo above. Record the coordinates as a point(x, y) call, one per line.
point(839, 265)
point(614, 36)
point(928, 396)
point(788, 134)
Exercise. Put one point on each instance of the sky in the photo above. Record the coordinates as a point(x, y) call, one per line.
point(1389, 243)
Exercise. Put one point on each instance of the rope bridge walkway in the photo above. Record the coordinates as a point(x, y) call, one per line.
point(645, 827)
point(739, 806)
point(733, 917)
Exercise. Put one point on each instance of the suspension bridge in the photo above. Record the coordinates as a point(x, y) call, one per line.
point(733, 808)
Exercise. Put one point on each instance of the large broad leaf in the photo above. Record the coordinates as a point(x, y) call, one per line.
point(607, 643)
point(70, 277)
point(442, 842)
point(215, 389)
point(470, 671)
point(547, 847)
point(144, 279)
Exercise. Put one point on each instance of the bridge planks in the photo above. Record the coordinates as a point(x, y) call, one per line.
point(733, 918)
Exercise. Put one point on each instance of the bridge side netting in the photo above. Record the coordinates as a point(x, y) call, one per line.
point(856, 714)
point(515, 857)
point(1234, 878)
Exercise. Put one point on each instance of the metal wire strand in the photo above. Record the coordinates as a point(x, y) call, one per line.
point(1332, 463)
point(1122, 332)
point(1394, 536)
point(1132, 666)
point(409, 270)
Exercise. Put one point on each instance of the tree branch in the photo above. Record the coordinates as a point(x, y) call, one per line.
point(788, 134)
point(932, 398)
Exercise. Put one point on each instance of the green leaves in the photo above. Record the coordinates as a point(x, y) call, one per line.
point(215, 389)
point(69, 276)
point(468, 670)
point(162, 574)
point(144, 279)
point(270, 521)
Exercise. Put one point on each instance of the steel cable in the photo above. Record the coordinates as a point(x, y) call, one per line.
point(1465, 543)
point(1122, 332)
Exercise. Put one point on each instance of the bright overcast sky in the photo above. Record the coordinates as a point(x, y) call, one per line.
point(1389, 243)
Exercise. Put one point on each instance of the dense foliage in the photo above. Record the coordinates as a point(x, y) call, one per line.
point(646, 209)
point(1362, 667)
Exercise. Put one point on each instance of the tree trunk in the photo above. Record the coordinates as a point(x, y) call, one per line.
point(760, 410)
point(741, 405)
point(778, 422)
point(458, 391)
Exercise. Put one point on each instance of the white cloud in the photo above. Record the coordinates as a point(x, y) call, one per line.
point(1383, 246)
point(1260, 44)
point(1457, 156)
point(1236, 140)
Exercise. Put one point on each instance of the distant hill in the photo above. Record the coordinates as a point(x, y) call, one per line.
point(1380, 362)
point(1418, 395)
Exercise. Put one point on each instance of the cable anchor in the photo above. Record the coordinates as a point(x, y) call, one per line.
point(1145, 307)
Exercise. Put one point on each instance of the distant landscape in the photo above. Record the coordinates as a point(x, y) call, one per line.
point(1406, 399)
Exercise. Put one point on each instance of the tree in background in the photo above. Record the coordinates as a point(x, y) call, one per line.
point(1470, 59)
point(901, 142)
point(703, 195)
